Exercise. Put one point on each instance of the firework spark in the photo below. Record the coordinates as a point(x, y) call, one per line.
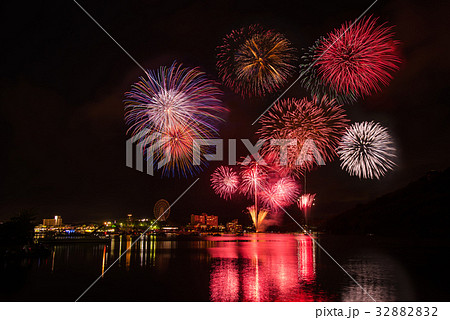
point(179, 104)
point(321, 121)
point(253, 179)
point(352, 61)
point(253, 61)
point(225, 182)
point(367, 150)
point(305, 202)
point(258, 216)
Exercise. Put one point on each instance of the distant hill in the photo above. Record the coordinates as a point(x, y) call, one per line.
point(422, 207)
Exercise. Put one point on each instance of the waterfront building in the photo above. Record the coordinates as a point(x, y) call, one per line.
point(55, 222)
point(204, 221)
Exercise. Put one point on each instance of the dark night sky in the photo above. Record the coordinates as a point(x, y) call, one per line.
point(62, 83)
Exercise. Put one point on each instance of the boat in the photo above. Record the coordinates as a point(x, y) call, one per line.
point(69, 239)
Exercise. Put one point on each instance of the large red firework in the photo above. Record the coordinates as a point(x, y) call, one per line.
point(313, 125)
point(358, 58)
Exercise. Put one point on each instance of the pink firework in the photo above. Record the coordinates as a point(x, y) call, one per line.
point(225, 182)
point(358, 59)
point(305, 202)
point(281, 194)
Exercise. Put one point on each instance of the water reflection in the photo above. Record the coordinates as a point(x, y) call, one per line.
point(258, 267)
point(264, 268)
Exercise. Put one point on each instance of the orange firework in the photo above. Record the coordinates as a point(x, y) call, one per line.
point(258, 216)
point(253, 61)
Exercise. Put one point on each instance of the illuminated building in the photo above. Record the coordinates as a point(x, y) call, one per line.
point(234, 226)
point(204, 220)
point(56, 222)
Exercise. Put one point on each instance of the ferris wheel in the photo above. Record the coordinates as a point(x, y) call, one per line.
point(161, 210)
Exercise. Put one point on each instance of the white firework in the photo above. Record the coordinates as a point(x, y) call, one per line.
point(225, 182)
point(367, 150)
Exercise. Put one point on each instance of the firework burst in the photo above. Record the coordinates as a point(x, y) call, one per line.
point(321, 121)
point(253, 179)
point(353, 61)
point(179, 105)
point(225, 182)
point(367, 150)
point(281, 194)
point(310, 79)
point(253, 61)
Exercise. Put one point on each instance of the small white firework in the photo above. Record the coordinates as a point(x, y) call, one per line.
point(225, 182)
point(367, 150)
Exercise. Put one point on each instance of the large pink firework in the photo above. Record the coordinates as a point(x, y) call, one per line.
point(225, 182)
point(253, 61)
point(280, 194)
point(314, 125)
point(358, 59)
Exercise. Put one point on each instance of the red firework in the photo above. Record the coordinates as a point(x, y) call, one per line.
point(320, 121)
point(359, 58)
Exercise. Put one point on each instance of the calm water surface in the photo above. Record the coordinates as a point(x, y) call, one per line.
point(257, 267)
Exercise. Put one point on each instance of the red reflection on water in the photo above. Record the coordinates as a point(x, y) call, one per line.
point(263, 268)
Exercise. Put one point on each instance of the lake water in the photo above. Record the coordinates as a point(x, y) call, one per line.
point(255, 267)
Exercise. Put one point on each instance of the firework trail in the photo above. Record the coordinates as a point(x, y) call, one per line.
point(367, 150)
point(225, 182)
point(305, 202)
point(258, 216)
point(253, 179)
point(352, 61)
point(253, 61)
point(178, 104)
point(321, 121)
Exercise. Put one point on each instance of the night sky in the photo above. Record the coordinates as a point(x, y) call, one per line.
point(63, 82)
